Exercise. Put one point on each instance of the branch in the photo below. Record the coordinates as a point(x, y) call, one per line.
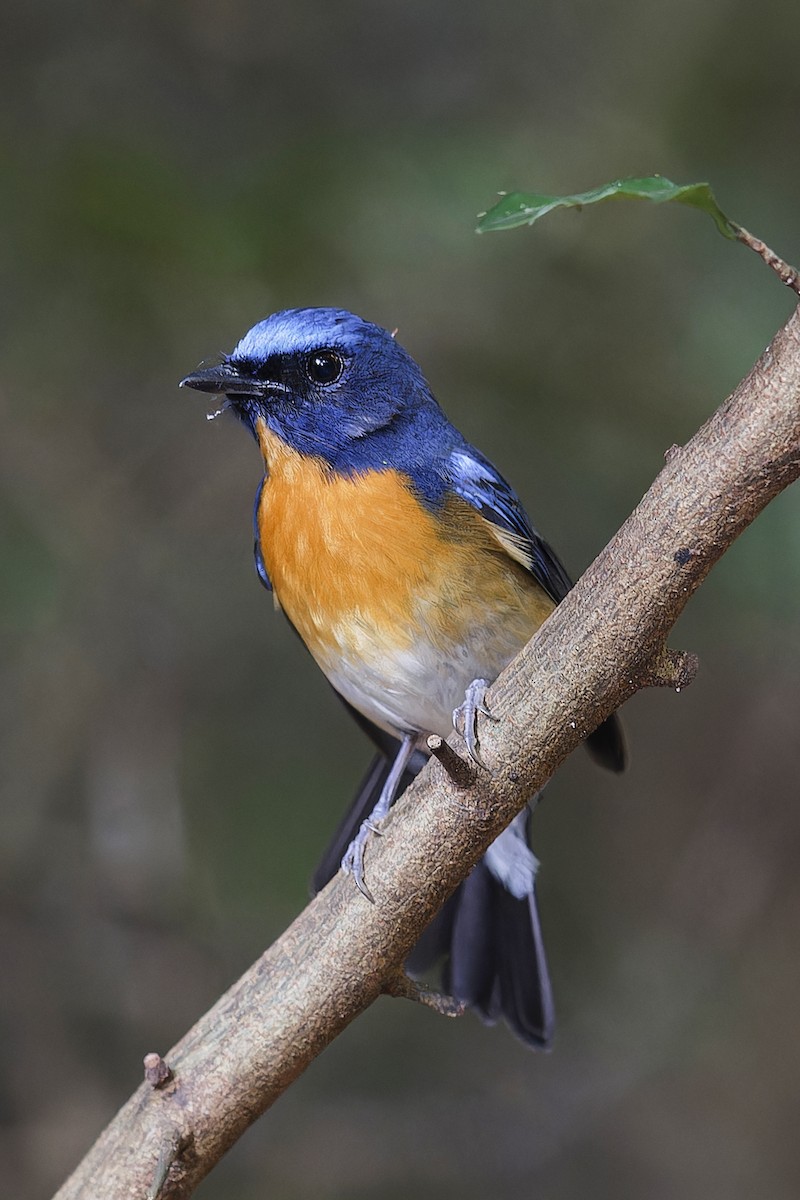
point(785, 272)
point(604, 642)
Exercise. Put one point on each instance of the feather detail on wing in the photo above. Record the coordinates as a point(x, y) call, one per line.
point(514, 544)
point(474, 479)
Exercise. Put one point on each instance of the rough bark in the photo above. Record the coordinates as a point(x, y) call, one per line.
point(602, 644)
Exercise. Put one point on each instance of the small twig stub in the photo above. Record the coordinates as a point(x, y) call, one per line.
point(460, 771)
point(156, 1070)
point(400, 985)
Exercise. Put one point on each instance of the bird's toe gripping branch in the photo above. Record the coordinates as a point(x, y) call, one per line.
point(465, 718)
point(353, 861)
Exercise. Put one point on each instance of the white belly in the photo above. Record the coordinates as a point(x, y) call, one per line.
point(416, 690)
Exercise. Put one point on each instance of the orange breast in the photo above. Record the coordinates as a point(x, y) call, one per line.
point(390, 598)
point(340, 549)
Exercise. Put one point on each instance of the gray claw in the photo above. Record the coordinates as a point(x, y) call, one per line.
point(465, 718)
point(353, 861)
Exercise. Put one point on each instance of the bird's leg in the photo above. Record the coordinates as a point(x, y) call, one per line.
point(465, 718)
point(353, 861)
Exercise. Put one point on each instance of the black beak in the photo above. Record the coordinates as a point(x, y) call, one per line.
point(225, 378)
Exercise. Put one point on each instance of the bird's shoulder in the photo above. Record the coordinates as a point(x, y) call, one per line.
point(471, 476)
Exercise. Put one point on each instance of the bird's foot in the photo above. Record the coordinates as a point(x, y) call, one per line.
point(353, 861)
point(465, 718)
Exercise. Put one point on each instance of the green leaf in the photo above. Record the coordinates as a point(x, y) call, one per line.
point(523, 208)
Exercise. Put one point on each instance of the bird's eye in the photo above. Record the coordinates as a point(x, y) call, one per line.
point(324, 366)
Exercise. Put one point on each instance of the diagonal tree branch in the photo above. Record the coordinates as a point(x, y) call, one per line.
point(602, 644)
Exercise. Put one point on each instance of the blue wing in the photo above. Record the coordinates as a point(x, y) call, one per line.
point(474, 479)
point(258, 556)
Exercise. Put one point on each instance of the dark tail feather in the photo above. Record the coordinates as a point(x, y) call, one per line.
point(488, 942)
point(526, 994)
point(494, 959)
point(607, 745)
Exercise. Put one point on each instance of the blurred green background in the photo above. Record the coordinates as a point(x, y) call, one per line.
point(172, 763)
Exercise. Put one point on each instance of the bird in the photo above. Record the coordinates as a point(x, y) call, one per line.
point(409, 568)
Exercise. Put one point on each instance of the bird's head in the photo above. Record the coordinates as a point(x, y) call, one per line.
point(321, 378)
